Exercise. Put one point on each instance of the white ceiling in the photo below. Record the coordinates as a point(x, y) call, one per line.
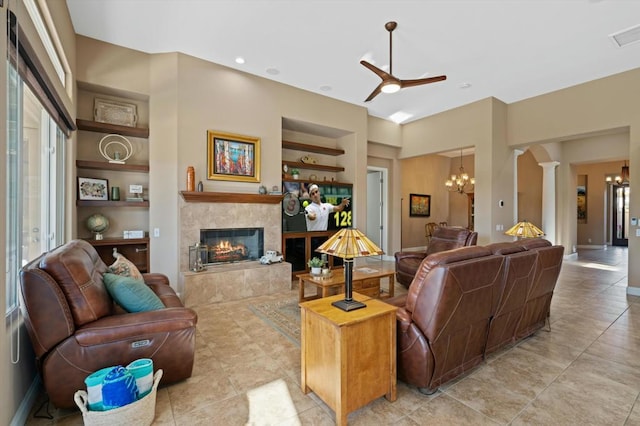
point(508, 49)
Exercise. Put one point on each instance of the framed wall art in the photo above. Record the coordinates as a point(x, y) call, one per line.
point(233, 157)
point(419, 205)
point(93, 189)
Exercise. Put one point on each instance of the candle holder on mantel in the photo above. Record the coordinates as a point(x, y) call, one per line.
point(198, 257)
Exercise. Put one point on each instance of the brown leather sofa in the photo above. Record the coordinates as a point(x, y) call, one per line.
point(76, 328)
point(442, 238)
point(467, 302)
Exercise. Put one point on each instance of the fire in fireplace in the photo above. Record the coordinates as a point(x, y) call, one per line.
point(233, 244)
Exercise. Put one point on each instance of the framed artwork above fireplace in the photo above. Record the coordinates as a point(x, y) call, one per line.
point(233, 157)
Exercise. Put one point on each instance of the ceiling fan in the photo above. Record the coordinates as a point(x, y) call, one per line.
point(391, 84)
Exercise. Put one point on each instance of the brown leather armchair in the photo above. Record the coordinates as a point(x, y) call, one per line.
point(76, 328)
point(443, 238)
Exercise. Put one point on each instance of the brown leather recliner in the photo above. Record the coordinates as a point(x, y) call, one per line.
point(471, 301)
point(531, 272)
point(443, 238)
point(76, 328)
point(537, 307)
point(444, 318)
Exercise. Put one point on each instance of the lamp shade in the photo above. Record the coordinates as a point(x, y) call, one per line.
point(349, 243)
point(525, 229)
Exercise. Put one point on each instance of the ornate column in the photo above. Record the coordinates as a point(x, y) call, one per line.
point(549, 199)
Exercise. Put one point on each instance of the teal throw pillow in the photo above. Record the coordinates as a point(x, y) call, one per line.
point(133, 295)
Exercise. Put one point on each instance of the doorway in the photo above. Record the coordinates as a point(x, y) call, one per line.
point(620, 216)
point(376, 206)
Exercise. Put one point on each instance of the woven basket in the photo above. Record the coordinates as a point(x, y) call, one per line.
point(139, 413)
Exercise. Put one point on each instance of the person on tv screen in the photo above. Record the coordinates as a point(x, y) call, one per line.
point(317, 216)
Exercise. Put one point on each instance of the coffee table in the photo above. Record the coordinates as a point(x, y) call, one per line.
point(366, 281)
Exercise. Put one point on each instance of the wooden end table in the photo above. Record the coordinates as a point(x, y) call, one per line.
point(365, 281)
point(348, 358)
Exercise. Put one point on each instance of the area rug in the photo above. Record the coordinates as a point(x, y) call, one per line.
point(282, 315)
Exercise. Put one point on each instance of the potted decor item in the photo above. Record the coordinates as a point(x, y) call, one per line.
point(295, 173)
point(315, 263)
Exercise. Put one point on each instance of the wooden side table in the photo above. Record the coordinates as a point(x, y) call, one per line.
point(348, 358)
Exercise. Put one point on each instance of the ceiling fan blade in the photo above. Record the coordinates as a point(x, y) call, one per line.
point(420, 81)
point(375, 93)
point(382, 74)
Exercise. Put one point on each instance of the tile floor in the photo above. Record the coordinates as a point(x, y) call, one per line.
point(585, 371)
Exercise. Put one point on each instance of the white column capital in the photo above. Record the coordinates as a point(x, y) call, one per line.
point(549, 165)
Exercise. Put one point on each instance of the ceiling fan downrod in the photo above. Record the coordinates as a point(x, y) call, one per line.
point(390, 26)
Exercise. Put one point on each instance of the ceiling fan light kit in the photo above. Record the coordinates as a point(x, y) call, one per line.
point(391, 84)
point(390, 87)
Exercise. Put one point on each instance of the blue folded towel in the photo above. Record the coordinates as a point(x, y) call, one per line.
point(118, 388)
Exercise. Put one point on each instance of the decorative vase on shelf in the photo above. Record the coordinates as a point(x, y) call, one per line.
point(191, 179)
point(295, 176)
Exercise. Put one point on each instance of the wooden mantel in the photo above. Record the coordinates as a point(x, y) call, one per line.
point(229, 197)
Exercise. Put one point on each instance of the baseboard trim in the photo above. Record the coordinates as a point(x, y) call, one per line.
point(29, 400)
point(592, 246)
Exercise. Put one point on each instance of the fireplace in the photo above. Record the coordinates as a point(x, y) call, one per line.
point(233, 244)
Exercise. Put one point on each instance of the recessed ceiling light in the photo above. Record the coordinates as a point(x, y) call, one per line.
point(400, 116)
point(273, 71)
point(464, 85)
point(239, 60)
point(325, 88)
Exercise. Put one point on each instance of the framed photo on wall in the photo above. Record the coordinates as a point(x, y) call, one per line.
point(93, 189)
point(233, 157)
point(419, 205)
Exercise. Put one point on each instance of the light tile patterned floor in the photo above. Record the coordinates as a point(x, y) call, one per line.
point(585, 371)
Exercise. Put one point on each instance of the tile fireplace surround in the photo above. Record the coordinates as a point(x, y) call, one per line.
point(237, 280)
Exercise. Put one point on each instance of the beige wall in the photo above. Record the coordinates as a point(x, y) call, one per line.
point(189, 96)
point(529, 190)
point(384, 156)
point(608, 105)
point(481, 125)
point(423, 175)
point(459, 203)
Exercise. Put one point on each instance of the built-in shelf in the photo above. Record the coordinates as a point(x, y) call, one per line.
point(105, 165)
point(311, 148)
point(109, 203)
point(306, 166)
point(94, 126)
point(228, 197)
point(109, 241)
point(319, 182)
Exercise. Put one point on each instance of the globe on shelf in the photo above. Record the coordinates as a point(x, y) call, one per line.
point(97, 223)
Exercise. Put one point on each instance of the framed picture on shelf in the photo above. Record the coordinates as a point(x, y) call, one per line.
point(419, 205)
point(93, 189)
point(233, 157)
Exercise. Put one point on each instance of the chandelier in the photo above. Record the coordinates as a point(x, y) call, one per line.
point(458, 183)
point(622, 178)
